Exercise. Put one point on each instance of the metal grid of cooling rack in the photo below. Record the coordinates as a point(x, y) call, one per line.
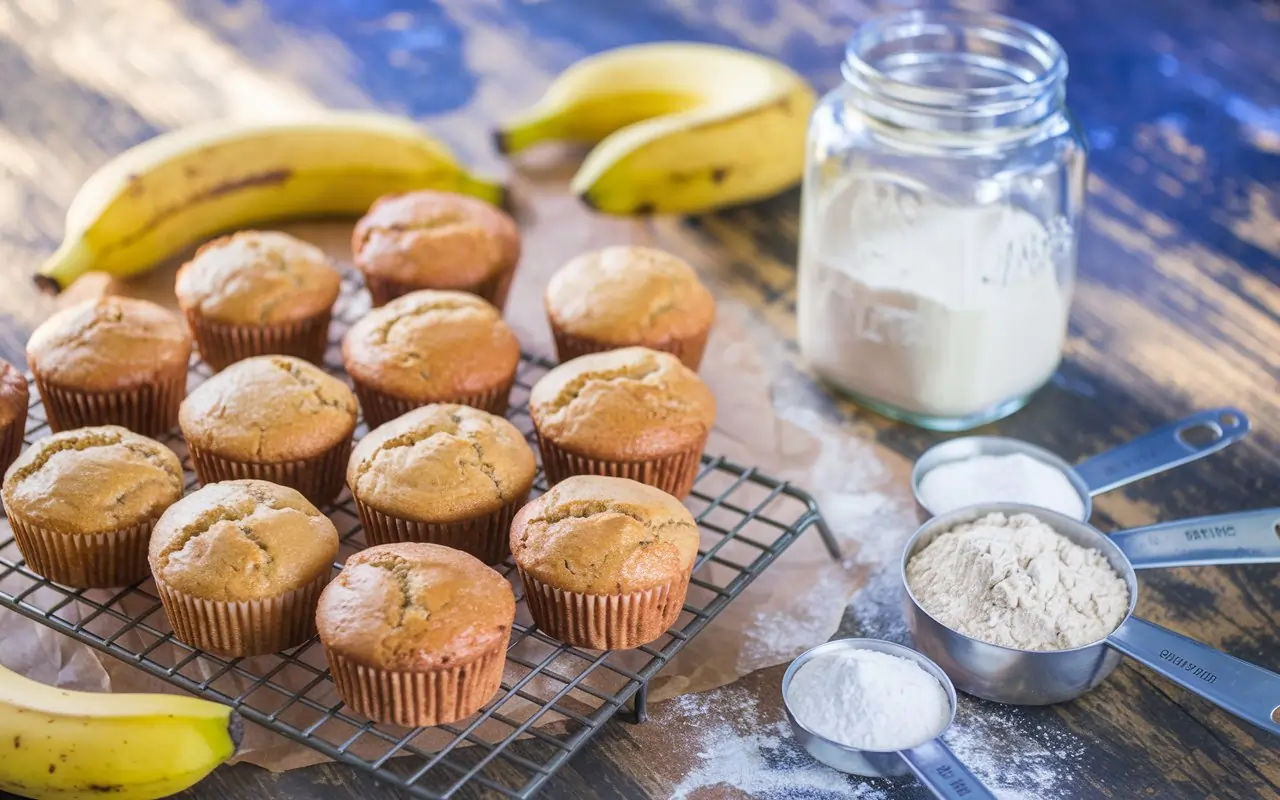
point(553, 697)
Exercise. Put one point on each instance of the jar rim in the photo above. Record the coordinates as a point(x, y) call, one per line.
point(995, 29)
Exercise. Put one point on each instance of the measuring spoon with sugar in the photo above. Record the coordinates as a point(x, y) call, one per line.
point(1166, 447)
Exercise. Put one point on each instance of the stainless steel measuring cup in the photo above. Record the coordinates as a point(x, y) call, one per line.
point(1162, 449)
point(1026, 677)
point(932, 762)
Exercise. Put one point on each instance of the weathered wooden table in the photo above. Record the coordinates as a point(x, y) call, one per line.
point(1177, 307)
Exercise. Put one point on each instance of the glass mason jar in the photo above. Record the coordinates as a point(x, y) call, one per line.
point(942, 194)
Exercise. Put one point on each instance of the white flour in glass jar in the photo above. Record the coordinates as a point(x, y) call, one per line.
point(937, 310)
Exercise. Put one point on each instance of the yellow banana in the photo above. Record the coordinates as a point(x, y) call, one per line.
point(180, 188)
point(62, 745)
point(681, 127)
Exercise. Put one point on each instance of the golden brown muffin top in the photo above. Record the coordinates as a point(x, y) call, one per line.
point(109, 343)
point(629, 405)
point(93, 480)
point(602, 535)
point(14, 395)
point(242, 540)
point(258, 278)
point(437, 239)
point(442, 463)
point(267, 409)
point(415, 606)
point(630, 295)
point(432, 345)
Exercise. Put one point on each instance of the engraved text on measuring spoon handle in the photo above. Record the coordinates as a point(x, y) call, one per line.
point(1245, 537)
point(939, 769)
point(1162, 449)
point(1248, 691)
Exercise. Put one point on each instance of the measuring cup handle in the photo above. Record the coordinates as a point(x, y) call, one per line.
point(944, 775)
point(1246, 537)
point(1248, 691)
point(1160, 450)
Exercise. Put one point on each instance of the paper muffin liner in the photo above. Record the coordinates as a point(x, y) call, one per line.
point(673, 474)
point(605, 621)
point(380, 407)
point(569, 346)
point(319, 479)
point(150, 410)
point(235, 628)
point(11, 439)
point(418, 698)
point(221, 344)
point(83, 561)
point(494, 289)
point(488, 538)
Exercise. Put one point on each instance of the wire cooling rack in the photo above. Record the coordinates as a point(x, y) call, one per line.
point(553, 697)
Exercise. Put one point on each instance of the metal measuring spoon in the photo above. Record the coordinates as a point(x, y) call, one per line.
point(1162, 449)
point(932, 761)
point(1033, 677)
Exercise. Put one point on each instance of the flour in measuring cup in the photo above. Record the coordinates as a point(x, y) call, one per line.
point(934, 309)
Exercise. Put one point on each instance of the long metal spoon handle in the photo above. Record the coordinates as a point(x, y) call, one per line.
point(944, 774)
point(1245, 537)
point(1161, 449)
point(1248, 691)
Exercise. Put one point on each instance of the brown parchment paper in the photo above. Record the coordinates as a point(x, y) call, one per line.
point(770, 415)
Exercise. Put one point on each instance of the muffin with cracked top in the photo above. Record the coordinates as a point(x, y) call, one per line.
point(436, 240)
point(258, 293)
point(416, 634)
point(431, 347)
point(625, 296)
point(111, 361)
point(239, 566)
point(275, 418)
point(605, 562)
point(14, 401)
point(83, 502)
point(446, 474)
point(631, 413)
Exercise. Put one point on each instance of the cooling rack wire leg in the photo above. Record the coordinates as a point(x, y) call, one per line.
point(640, 705)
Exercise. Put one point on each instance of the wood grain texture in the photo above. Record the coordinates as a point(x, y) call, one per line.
point(1178, 305)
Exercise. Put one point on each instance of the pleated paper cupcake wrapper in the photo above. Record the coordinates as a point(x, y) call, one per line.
point(319, 479)
point(380, 407)
point(604, 621)
point(245, 627)
point(493, 289)
point(11, 439)
point(84, 561)
point(569, 346)
point(149, 410)
point(488, 538)
point(221, 345)
point(418, 698)
point(673, 474)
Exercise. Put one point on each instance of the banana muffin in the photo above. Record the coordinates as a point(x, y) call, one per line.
point(275, 418)
point(445, 474)
point(622, 296)
point(416, 634)
point(431, 347)
point(258, 293)
point(111, 361)
point(14, 400)
point(239, 567)
point(605, 562)
point(631, 413)
point(82, 504)
point(436, 240)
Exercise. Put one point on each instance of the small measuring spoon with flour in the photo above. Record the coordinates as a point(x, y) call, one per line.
point(1001, 469)
point(875, 708)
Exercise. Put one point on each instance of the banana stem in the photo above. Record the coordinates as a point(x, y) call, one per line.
point(72, 259)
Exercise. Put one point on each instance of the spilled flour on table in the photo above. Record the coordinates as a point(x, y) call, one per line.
point(764, 763)
point(1017, 757)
